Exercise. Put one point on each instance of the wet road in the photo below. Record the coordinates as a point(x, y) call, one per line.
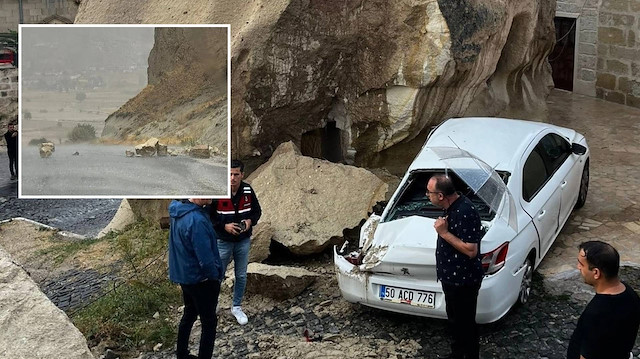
point(82, 216)
point(101, 170)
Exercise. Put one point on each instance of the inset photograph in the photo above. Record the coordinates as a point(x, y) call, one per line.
point(124, 111)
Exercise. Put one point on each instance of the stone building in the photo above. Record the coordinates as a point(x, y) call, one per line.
point(601, 39)
point(36, 12)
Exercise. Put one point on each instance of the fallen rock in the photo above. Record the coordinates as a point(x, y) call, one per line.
point(47, 149)
point(200, 151)
point(161, 149)
point(311, 201)
point(129, 153)
point(145, 150)
point(31, 325)
point(260, 242)
point(278, 282)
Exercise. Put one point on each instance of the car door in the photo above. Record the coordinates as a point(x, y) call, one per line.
point(542, 189)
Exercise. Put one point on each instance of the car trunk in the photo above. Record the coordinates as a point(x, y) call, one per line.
point(403, 247)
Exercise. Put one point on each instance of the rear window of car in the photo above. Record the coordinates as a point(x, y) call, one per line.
point(412, 200)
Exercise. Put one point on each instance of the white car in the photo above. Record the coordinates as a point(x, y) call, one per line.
point(524, 178)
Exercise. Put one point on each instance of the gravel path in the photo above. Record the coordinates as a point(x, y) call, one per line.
point(541, 329)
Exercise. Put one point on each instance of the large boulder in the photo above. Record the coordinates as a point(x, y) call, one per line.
point(148, 148)
point(261, 242)
point(31, 325)
point(377, 74)
point(309, 201)
point(278, 282)
point(47, 149)
point(161, 149)
point(200, 151)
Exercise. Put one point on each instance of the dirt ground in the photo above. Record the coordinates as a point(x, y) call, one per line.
point(35, 240)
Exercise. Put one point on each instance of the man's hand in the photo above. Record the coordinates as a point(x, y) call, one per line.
point(232, 228)
point(15, 134)
point(441, 225)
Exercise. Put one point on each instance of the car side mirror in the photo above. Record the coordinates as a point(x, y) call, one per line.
point(578, 149)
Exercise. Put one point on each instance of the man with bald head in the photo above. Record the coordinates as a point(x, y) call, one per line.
point(458, 263)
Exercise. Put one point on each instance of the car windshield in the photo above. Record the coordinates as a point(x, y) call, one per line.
point(413, 200)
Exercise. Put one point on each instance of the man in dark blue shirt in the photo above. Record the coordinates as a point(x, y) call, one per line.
point(458, 264)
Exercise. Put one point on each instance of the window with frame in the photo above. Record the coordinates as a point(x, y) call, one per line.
point(534, 175)
point(554, 150)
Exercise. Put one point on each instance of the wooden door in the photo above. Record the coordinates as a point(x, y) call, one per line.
point(562, 56)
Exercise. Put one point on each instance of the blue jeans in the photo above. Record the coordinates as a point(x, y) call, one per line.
point(240, 253)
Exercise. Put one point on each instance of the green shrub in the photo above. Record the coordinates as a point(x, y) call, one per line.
point(124, 316)
point(27, 115)
point(82, 132)
point(37, 141)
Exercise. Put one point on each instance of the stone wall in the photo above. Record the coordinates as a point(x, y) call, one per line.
point(618, 61)
point(8, 95)
point(586, 13)
point(36, 11)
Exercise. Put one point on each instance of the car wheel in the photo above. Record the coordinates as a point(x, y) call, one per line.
point(525, 286)
point(584, 186)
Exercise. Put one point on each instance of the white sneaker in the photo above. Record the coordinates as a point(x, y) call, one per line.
point(239, 314)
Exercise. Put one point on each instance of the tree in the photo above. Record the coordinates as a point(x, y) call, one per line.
point(82, 132)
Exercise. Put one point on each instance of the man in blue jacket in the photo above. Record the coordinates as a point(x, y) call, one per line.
point(194, 263)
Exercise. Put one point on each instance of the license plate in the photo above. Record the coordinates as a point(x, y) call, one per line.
point(408, 296)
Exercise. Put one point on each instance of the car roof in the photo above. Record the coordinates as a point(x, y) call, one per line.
point(497, 141)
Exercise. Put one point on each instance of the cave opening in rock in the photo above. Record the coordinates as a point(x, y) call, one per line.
point(326, 143)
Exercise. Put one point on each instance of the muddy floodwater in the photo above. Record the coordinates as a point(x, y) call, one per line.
point(104, 170)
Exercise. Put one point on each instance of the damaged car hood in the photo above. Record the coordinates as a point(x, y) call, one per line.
point(405, 242)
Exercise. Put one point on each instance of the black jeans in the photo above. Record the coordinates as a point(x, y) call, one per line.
point(13, 163)
point(201, 300)
point(461, 313)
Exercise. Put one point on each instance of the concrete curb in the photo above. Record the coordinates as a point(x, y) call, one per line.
point(42, 225)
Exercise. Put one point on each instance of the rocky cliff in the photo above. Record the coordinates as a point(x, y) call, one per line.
point(186, 95)
point(365, 80)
